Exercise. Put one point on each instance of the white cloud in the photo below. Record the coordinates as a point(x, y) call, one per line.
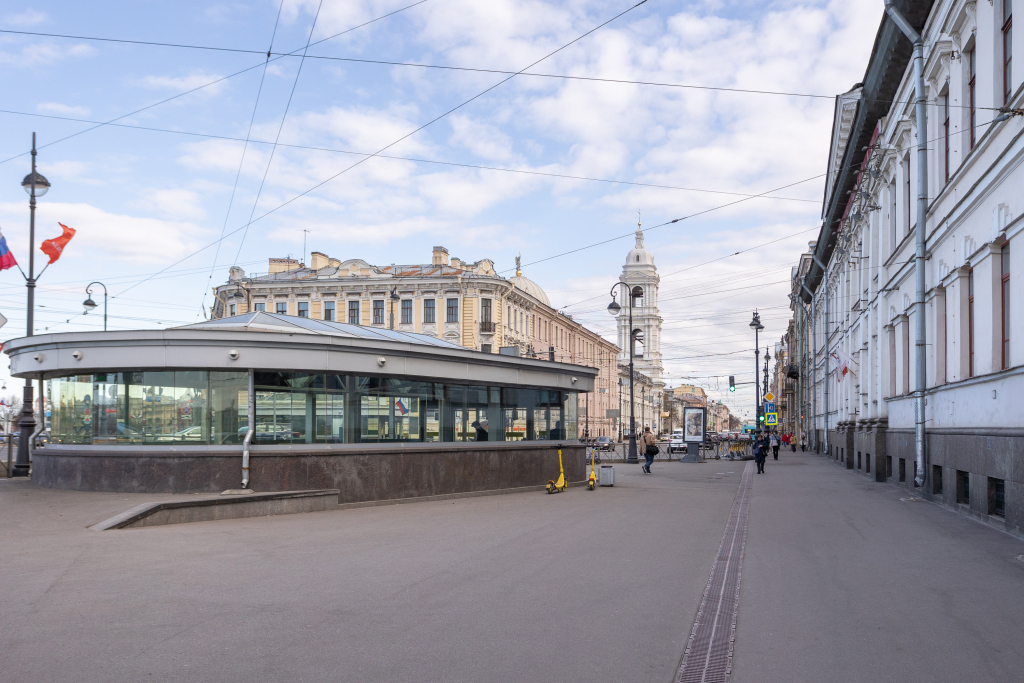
point(29, 17)
point(174, 203)
point(104, 239)
point(36, 55)
point(195, 79)
point(62, 109)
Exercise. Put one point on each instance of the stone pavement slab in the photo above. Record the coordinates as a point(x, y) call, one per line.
point(844, 581)
point(578, 586)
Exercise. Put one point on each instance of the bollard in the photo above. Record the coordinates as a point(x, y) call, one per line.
point(10, 443)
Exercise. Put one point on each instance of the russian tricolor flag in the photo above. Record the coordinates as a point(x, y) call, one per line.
point(401, 406)
point(6, 257)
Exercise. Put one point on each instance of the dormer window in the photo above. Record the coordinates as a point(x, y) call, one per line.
point(638, 258)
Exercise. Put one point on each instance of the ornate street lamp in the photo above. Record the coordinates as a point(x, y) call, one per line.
point(36, 186)
point(90, 305)
point(635, 293)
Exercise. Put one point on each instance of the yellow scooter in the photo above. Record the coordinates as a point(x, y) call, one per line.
point(592, 480)
point(556, 486)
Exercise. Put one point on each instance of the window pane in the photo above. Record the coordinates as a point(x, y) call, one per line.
point(108, 407)
point(158, 407)
point(71, 410)
point(229, 409)
point(453, 311)
point(428, 311)
point(328, 310)
point(378, 312)
point(407, 312)
point(261, 307)
point(353, 312)
point(303, 309)
point(282, 308)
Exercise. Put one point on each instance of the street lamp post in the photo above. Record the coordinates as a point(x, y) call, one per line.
point(755, 323)
point(394, 297)
point(614, 309)
point(89, 304)
point(36, 186)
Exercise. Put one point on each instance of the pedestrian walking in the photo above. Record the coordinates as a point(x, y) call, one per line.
point(792, 441)
point(760, 452)
point(650, 446)
point(803, 443)
point(775, 445)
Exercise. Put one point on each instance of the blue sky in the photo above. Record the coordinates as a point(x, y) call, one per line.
point(143, 200)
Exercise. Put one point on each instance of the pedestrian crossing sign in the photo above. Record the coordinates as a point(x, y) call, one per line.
point(771, 419)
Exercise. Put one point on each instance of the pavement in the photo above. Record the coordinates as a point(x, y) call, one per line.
point(841, 581)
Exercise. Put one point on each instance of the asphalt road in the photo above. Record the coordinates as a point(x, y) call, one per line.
point(842, 581)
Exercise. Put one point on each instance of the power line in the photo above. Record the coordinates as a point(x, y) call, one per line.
point(383, 62)
point(412, 159)
point(407, 135)
point(241, 161)
point(277, 139)
point(214, 82)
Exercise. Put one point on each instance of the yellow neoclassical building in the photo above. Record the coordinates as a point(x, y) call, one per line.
point(465, 303)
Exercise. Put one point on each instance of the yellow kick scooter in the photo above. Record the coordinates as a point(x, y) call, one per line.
point(592, 480)
point(556, 486)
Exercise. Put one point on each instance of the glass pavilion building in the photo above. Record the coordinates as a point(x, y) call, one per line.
point(282, 384)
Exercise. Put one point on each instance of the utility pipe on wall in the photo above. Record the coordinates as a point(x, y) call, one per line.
point(922, 212)
point(252, 429)
point(825, 342)
point(814, 365)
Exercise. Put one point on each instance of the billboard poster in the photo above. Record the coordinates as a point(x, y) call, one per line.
point(694, 425)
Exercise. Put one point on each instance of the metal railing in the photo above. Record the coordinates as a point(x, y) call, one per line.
point(487, 327)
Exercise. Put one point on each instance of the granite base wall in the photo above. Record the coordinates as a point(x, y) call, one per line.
point(982, 455)
point(360, 474)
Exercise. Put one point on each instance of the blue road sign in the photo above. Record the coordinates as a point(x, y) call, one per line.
point(771, 419)
point(769, 407)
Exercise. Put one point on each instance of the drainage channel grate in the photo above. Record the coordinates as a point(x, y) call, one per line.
point(708, 655)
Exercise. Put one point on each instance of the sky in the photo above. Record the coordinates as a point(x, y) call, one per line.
point(474, 156)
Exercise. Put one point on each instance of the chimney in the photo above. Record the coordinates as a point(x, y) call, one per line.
point(440, 257)
point(456, 262)
point(318, 260)
point(281, 265)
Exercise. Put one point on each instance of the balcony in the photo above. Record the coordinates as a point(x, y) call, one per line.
point(487, 327)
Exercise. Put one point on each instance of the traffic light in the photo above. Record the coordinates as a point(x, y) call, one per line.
point(760, 418)
point(732, 383)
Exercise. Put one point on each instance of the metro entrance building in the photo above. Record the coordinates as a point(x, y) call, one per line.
point(378, 414)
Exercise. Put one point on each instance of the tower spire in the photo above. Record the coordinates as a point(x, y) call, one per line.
point(519, 270)
point(639, 232)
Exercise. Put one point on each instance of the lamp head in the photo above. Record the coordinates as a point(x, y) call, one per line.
point(41, 183)
point(614, 307)
point(89, 304)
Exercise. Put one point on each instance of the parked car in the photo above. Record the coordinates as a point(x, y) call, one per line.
point(604, 443)
point(676, 444)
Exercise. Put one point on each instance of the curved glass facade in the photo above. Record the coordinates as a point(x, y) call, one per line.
point(211, 408)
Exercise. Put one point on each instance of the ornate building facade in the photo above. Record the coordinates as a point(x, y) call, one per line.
point(468, 304)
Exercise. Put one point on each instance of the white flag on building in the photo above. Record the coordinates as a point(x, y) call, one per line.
point(844, 364)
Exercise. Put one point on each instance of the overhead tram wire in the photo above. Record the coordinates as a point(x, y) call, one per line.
point(674, 220)
point(412, 159)
point(384, 62)
point(404, 137)
point(241, 161)
point(273, 149)
point(214, 82)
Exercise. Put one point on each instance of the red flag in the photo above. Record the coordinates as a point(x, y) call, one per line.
point(55, 247)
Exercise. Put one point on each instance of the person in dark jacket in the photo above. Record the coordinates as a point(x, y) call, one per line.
point(760, 451)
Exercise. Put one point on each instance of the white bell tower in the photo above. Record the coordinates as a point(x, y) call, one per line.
point(639, 269)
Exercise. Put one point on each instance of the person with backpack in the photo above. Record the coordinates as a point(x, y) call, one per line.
point(650, 448)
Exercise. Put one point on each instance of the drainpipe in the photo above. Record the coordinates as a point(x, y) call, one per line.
point(41, 425)
point(248, 434)
point(814, 364)
point(824, 282)
point(922, 212)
